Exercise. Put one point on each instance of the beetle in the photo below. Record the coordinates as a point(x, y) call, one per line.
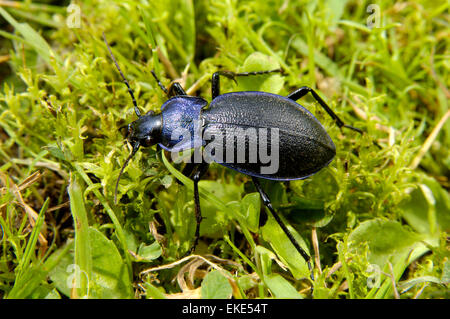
point(301, 142)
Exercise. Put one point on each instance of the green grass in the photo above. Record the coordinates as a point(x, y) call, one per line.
point(379, 215)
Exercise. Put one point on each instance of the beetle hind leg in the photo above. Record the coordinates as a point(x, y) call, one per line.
point(268, 204)
point(301, 92)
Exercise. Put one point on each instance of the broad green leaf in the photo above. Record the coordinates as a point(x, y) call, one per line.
point(428, 208)
point(117, 225)
point(311, 211)
point(131, 240)
point(415, 211)
point(216, 286)
point(55, 151)
point(286, 251)
point(250, 210)
point(385, 238)
point(246, 282)
point(266, 257)
point(281, 288)
point(44, 291)
point(149, 252)
point(61, 273)
point(109, 277)
point(154, 292)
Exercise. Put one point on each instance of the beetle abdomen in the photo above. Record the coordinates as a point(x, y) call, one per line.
point(266, 135)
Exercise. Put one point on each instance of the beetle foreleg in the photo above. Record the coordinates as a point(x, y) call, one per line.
point(176, 89)
point(268, 204)
point(301, 92)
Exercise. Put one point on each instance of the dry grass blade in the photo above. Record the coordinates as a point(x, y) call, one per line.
point(30, 212)
point(392, 278)
point(56, 167)
point(192, 269)
point(315, 243)
point(429, 141)
point(4, 58)
point(25, 184)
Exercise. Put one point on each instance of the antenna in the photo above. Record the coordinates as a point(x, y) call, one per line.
point(135, 149)
point(159, 83)
point(136, 109)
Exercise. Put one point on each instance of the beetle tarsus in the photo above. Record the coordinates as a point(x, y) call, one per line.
point(354, 128)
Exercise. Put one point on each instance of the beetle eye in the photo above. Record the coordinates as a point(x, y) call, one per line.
point(147, 141)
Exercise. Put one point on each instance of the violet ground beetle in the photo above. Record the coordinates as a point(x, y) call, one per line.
point(304, 147)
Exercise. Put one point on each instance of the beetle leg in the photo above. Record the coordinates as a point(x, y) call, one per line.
point(215, 80)
point(301, 92)
point(198, 172)
point(268, 204)
point(176, 89)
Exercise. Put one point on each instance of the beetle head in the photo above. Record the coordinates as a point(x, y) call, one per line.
point(145, 132)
